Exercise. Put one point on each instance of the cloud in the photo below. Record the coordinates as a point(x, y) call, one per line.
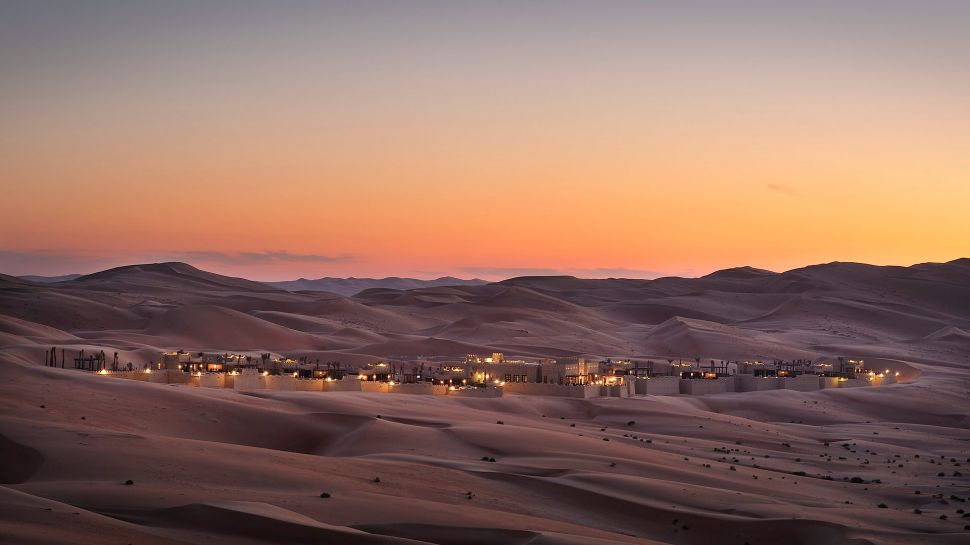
point(605, 272)
point(780, 188)
point(259, 258)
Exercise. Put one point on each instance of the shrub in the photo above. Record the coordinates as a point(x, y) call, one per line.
point(883, 506)
point(129, 482)
point(325, 494)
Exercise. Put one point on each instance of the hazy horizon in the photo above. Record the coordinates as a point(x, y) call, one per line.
point(510, 272)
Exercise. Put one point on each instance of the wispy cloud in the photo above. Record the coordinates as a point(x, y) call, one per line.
point(781, 188)
point(604, 272)
point(260, 258)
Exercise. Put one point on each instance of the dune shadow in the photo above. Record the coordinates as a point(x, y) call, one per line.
point(20, 462)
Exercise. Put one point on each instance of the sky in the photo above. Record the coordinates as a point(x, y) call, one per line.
point(276, 140)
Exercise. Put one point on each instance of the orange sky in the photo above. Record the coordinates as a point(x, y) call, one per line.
point(333, 140)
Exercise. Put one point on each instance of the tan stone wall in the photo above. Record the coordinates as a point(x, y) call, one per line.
point(800, 383)
point(700, 386)
point(476, 392)
point(751, 383)
point(560, 390)
point(345, 385)
point(663, 386)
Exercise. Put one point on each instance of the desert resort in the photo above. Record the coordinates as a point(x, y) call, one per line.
point(483, 376)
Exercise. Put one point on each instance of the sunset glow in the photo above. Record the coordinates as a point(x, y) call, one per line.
point(433, 138)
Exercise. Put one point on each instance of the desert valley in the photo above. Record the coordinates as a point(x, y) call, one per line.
point(90, 458)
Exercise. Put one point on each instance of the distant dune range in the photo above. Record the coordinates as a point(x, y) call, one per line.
point(350, 286)
point(735, 313)
point(218, 466)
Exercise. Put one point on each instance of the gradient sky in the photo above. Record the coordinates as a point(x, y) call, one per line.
point(275, 140)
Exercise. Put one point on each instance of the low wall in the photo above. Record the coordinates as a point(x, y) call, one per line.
point(700, 386)
point(800, 383)
point(372, 387)
point(280, 382)
point(308, 384)
point(345, 385)
point(828, 382)
point(559, 390)
point(130, 375)
point(751, 383)
point(476, 392)
point(616, 390)
point(658, 386)
point(169, 376)
point(853, 383)
point(249, 381)
point(423, 388)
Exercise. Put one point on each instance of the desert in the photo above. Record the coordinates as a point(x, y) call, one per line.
point(484, 272)
point(90, 458)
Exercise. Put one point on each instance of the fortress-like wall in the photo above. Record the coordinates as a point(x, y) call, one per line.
point(800, 383)
point(213, 380)
point(169, 376)
point(661, 386)
point(422, 388)
point(249, 381)
point(751, 383)
point(345, 385)
point(615, 390)
point(700, 386)
point(828, 382)
point(476, 392)
point(131, 375)
point(559, 390)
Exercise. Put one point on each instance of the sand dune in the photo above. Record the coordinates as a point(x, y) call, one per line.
point(212, 326)
point(221, 466)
